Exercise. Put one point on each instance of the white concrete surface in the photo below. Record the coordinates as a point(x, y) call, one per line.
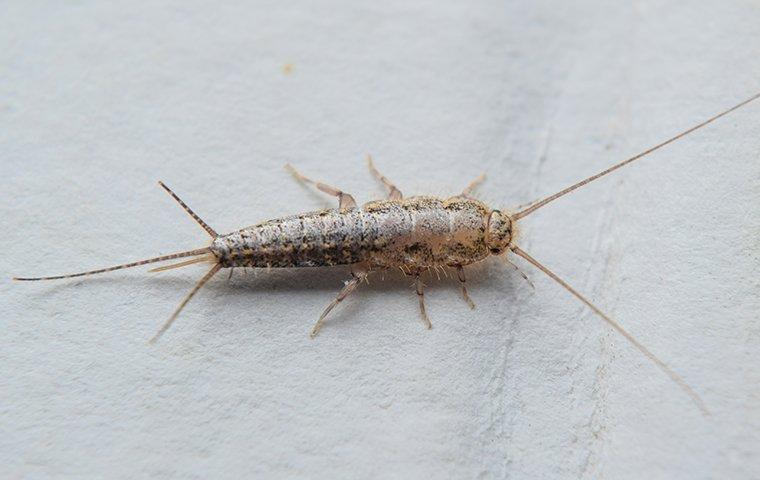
point(99, 100)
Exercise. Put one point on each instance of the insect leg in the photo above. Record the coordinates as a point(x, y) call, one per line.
point(419, 286)
point(465, 295)
point(344, 200)
point(349, 287)
point(393, 192)
point(473, 184)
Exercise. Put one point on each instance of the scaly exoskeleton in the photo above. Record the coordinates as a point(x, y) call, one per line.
point(414, 234)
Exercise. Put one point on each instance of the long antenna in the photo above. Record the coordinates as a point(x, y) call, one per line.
point(538, 204)
point(651, 356)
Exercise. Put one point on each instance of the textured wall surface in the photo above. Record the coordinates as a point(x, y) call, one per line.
point(98, 101)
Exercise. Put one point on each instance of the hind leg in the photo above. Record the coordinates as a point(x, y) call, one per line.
point(344, 199)
point(393, 192)
point(419, 287)
point(350, 286)
point(465, 295)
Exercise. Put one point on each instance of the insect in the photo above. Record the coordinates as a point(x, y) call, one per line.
point(413, 234)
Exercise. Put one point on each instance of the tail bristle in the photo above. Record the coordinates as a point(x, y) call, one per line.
point(163, 268)
point(189, 211)
point(184, 302)
point(189, 253)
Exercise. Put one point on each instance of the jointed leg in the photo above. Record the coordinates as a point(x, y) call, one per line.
point(393, 192)
point(347, 289)
point(465, 295)
point(473, 184)
point(344, 199)
point(421, 295)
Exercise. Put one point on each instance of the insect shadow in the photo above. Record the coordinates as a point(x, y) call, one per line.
point(241, 284)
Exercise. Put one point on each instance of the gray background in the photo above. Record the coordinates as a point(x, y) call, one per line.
point(99, 100)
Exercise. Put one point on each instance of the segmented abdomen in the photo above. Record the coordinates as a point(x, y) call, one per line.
point(416, 232)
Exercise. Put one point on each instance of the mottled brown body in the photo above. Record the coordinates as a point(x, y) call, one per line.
point(411, 233)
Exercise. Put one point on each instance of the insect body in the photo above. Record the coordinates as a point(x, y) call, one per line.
point(413, 234)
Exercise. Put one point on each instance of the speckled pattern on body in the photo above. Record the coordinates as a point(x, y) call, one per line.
point(412, 233)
